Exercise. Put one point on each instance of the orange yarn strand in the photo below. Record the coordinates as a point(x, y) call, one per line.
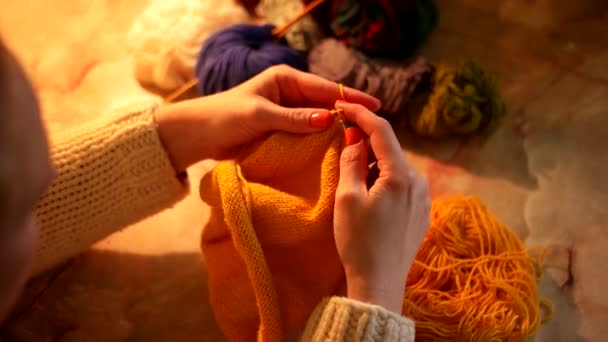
point(472, 279)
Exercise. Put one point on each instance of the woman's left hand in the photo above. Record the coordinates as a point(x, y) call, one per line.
point(279, 99)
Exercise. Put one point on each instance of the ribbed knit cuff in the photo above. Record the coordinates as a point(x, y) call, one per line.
point(342, 319)
point(110, 173)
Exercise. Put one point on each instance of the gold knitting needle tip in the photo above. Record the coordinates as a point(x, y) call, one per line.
point(338, 114)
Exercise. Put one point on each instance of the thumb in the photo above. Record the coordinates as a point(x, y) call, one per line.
point(353, 164)
point(299, 120)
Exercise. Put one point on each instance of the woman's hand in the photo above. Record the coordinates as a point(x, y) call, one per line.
point(378, 229)
point(279, 99)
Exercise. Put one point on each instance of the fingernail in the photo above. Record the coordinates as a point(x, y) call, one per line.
point(340, 102)
point(352, 136)
point(321, 120)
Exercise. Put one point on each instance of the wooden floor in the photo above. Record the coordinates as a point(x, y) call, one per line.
point(543, 172)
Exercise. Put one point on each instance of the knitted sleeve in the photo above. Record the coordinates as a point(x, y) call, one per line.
point(109, 174)
point(343, 319)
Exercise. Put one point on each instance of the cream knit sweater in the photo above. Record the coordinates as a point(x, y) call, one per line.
point(115, 172)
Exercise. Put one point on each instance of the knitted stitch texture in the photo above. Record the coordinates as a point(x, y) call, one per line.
point(110, 173)
point(343, 319)
point(269, 244)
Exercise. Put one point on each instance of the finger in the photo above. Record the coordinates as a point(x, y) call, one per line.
point(383, 141)
point(315, 89)
point(296, 120)
point(353, 172)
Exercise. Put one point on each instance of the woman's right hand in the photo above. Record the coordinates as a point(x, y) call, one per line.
point(378, 229)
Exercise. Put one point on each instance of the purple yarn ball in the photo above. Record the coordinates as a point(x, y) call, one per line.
point(236, 54)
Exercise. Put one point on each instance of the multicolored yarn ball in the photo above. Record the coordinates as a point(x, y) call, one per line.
point(456, 100)
point(381, 28)
point(167, 37)
point(391, 82)
point(236, 54)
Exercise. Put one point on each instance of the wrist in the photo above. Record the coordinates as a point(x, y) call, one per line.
point(173, 128)
point(386, 293)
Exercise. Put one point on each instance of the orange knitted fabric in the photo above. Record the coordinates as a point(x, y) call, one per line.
point(265, 282)
point(472, 279)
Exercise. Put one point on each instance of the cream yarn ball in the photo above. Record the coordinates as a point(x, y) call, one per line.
point(166, 38)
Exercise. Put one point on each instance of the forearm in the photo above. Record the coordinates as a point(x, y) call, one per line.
point(343, 319)
point(110, 174)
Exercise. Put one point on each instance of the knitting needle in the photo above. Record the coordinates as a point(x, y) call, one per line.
point(181, 90)
point(277, 33)
point(338, 114)
point(280, 31)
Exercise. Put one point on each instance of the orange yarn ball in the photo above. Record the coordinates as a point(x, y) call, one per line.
point(473, 279)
